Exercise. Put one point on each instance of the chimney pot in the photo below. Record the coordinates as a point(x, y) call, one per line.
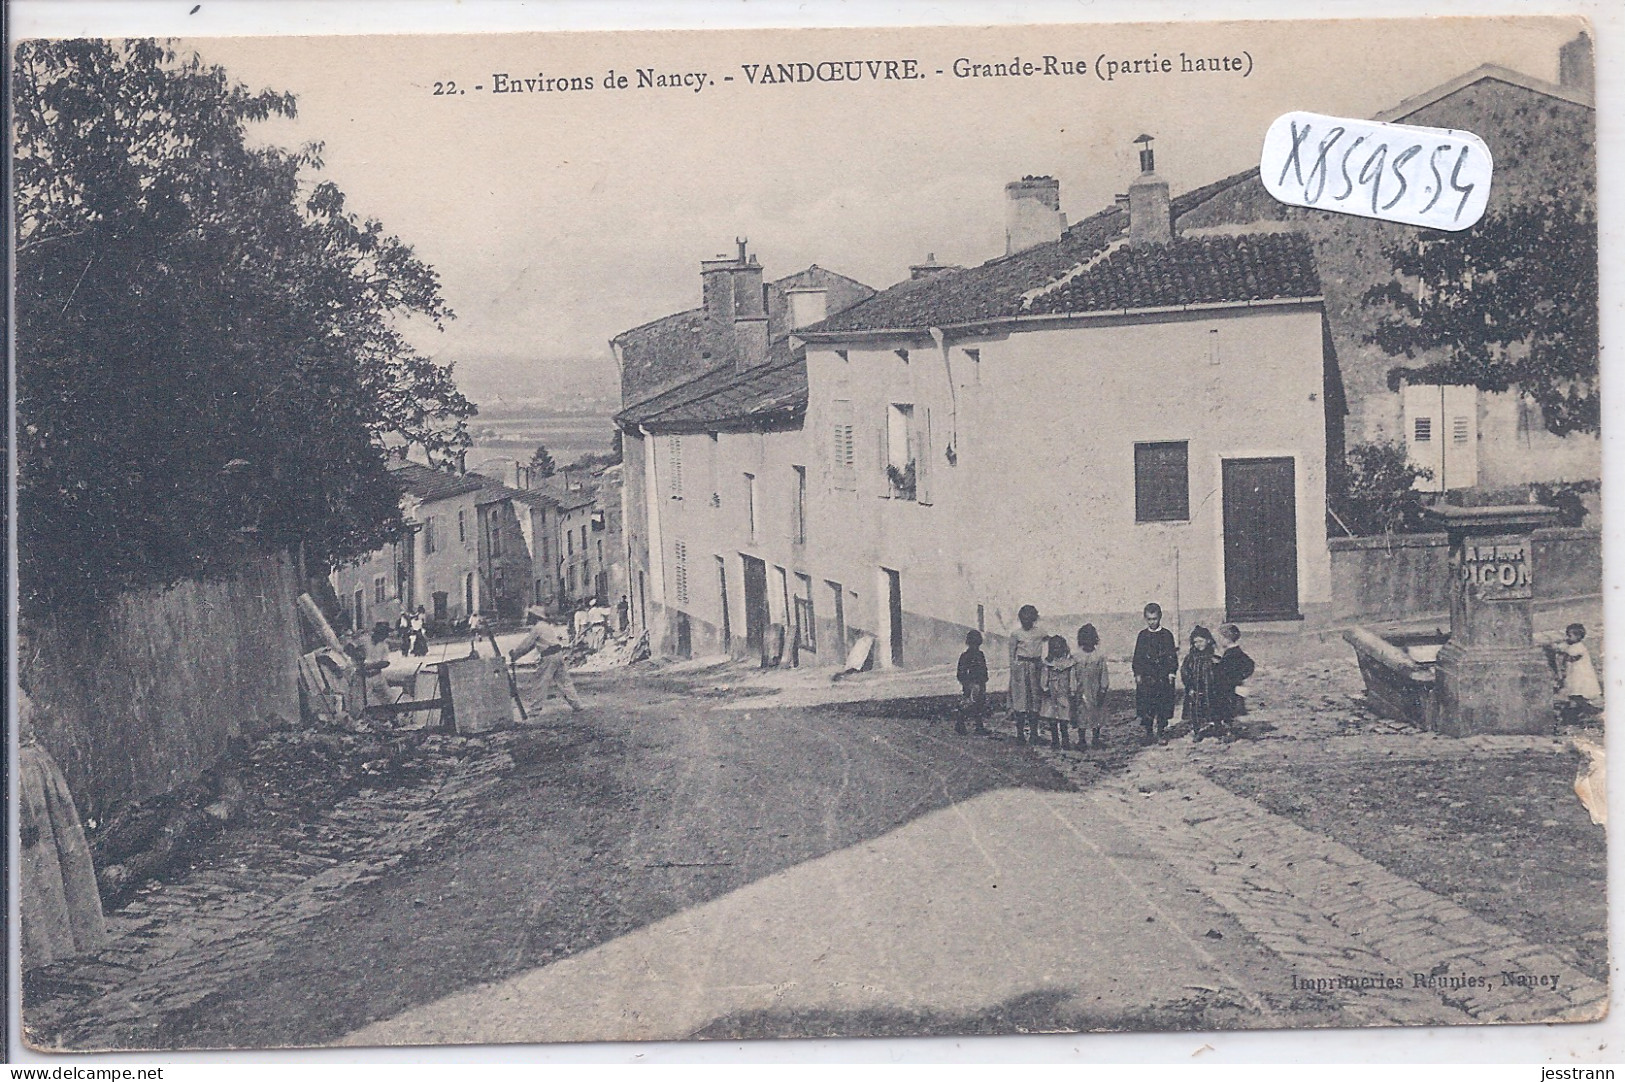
point(1150, 214)
point(1032, 213)
point(1576, 67)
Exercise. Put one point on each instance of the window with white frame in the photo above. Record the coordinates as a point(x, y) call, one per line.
point(899, 437)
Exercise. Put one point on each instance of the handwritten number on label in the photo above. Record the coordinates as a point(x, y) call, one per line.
point(1348, 181)
point(1380, 167)
point(1293, 162)
point(1372, 176)
point(1455, 175)
point(1317, 172)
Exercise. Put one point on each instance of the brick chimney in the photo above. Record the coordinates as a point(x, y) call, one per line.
point(736, 305)
point(1576, 67)
point(808, 305)
point(1150, 218)
point(1032, 213)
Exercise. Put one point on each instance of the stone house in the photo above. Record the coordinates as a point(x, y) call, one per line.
point(435, 563)
point(1107, 415)
point(1543, 138)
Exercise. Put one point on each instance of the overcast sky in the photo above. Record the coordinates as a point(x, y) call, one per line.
point(557, 220)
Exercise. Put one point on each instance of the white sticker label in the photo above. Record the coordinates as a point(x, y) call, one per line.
point(1434, 177)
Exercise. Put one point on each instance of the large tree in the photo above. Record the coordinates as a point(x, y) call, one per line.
point(209, 343)
point(1511, 302)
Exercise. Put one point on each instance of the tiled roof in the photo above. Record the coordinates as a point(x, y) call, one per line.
point(667, 352)
point(1191, 270)
point(430, 484)
point(535, 498)
point(725, 396)
point(494, 491)
point(1092, 269)
point(555, 488)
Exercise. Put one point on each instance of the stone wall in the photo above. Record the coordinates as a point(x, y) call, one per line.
point(1401, 576)
point(152, 695)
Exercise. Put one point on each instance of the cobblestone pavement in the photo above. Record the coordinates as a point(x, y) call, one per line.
point(1330, 913)
point(1313, 901)
point(178, 942)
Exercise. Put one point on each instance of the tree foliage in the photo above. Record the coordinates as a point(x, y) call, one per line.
point(541, 463)
point(1511, 302)
point(1377, 494)
point(209, 344)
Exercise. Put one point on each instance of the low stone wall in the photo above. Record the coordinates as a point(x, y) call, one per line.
point(1399, 576)
point(151, 695)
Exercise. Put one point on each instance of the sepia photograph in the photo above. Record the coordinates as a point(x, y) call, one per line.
point(720, 535)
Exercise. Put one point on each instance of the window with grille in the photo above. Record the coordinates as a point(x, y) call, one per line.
point(679, 551)
point(1162, 483)
point(1423, 429)
point(1460, 430)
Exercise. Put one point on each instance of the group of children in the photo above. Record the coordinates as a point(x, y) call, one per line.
point(1054, 688)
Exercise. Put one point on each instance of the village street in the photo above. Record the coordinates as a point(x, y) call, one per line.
point(708, 851)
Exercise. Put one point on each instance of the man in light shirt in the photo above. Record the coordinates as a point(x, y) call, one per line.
point(548, 640)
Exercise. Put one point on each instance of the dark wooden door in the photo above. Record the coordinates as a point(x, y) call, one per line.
point(894, 606)
point(1260, 539)
point(755, 603)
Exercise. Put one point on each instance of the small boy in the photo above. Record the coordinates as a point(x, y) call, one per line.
point(972, 683)
point(1230, 675)
point(1156, 660)
point(1578, 687)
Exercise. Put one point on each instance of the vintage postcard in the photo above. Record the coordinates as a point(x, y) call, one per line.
point(921, 531)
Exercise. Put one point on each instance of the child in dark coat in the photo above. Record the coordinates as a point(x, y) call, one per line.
point(972, 683)
point(1201, 688)
point(1230, 673)
point(1156, 660)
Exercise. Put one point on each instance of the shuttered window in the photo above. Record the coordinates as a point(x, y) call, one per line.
point(679, 552)
point(1462, 430)
point(798, 505)
point(674, 466)
point(1424, 429)
point(1162, 484)
point(843, 452)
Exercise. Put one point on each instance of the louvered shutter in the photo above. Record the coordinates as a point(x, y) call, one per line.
point(922, 454)
point(883, 453)
point(843, 471)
